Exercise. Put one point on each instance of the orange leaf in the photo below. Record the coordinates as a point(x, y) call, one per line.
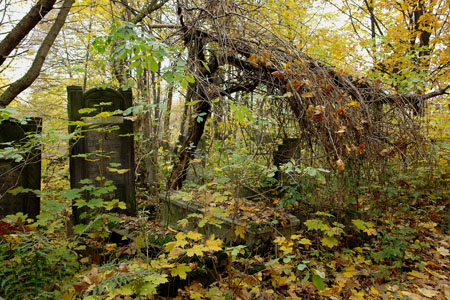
point(278, 75)
point(297, 84)
point(253, 59)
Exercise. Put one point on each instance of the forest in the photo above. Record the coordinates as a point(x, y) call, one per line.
point(225, 149)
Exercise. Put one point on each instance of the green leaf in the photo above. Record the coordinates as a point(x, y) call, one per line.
point(86, 110)
point(205, 65)
point(71, 194)
point(190, 103)
point(318, 282)
point(329, 242)
point(79, 228)
point(153, 65)
point(316, 224)
point(190, 78)
point(305, 279)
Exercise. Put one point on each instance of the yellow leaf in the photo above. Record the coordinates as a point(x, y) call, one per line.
point(180, 271)
point(418, 274)
point(240, 230)
point(214, 244)
point(357, 295)
point(353, 103)
point(118, 171)
point(194, 235)
point(181, 240)
point(176, 252)
point(428, 292)
point(413, 296)
point(309, 111)
point(196, 250)
point(159, 264)
point(374, 291)
point(279, 240)
point(170, 246)
point(110, 247)
point(307, 95)
point(350, 272)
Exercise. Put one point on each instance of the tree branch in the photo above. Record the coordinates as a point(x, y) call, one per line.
point(33, 72)
point(28, 22)
point(151, 7)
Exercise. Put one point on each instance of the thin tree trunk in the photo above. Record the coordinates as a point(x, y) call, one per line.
point(166, 128)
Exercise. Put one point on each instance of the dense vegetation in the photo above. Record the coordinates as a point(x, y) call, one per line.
point(332, 116)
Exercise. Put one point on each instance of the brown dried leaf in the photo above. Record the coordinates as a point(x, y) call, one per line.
point(340, 164)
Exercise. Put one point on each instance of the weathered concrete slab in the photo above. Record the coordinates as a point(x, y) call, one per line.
point(261, 237)
point(106, 140)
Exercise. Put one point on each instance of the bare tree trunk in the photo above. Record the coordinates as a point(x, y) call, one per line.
point(189, 146)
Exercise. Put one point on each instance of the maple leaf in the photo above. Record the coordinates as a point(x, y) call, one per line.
point(442, 251)
point(305, 241)
point(214, 244)
point(181, 240)
point(159, 264)
point(196, 250)
point(180, 271)
point(156, 278)
point(194, 235)
point(175, 252)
